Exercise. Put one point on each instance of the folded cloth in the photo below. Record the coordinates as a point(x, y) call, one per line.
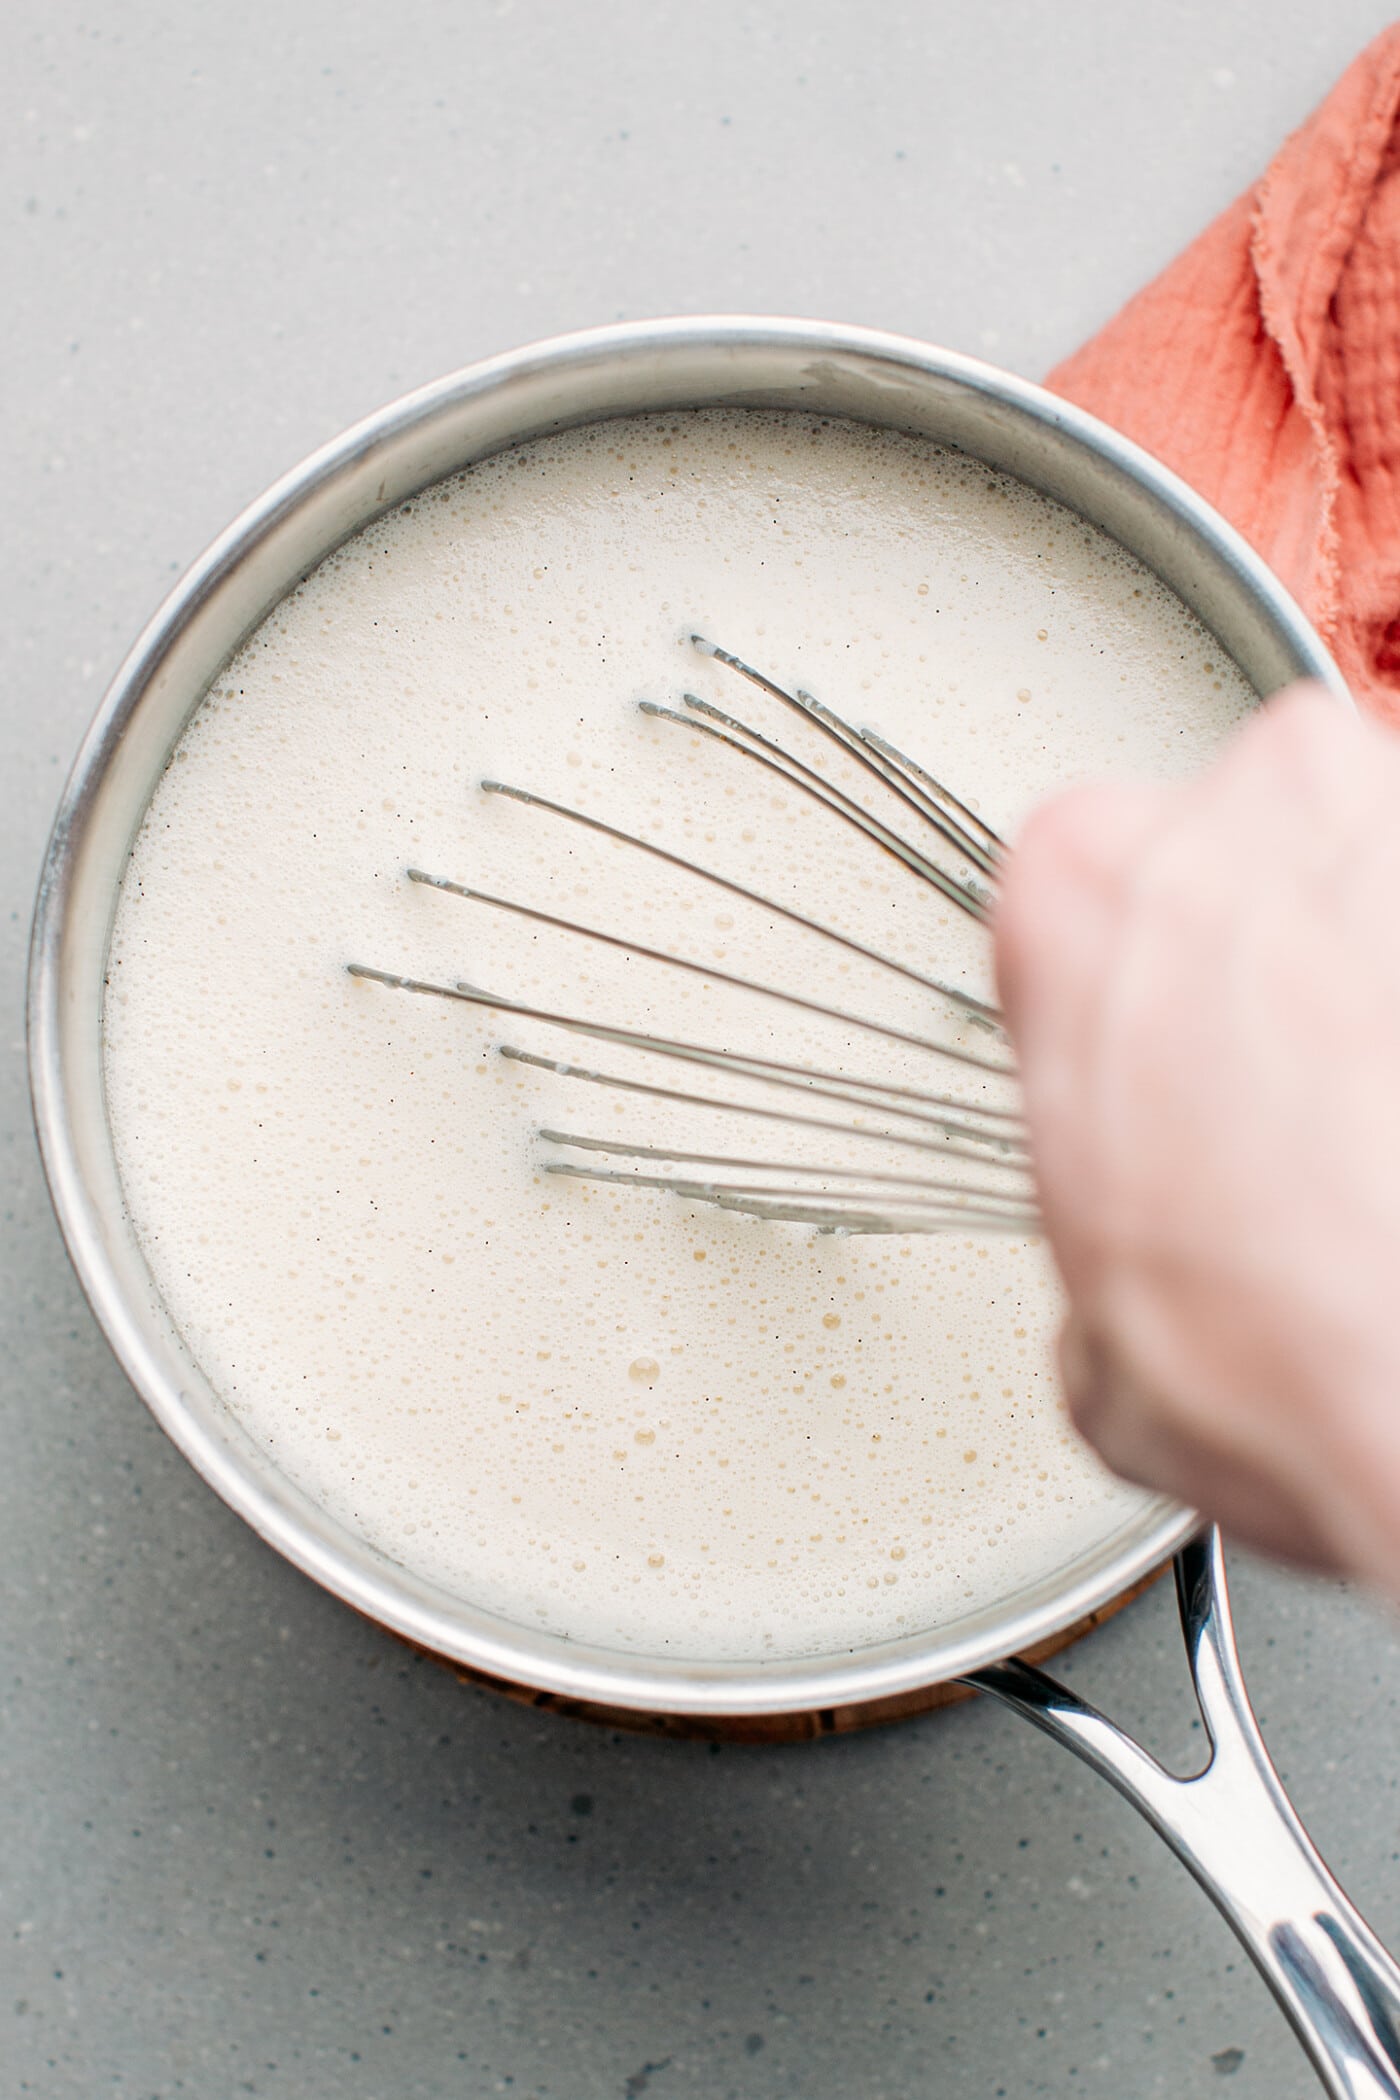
point(1263, 365)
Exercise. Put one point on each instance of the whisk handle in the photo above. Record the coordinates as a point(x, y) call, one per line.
point(1234, 1827)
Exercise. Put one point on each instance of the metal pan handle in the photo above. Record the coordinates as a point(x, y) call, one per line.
point(1232, 1824)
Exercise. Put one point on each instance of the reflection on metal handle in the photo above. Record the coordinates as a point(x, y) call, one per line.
point(1235, 1828)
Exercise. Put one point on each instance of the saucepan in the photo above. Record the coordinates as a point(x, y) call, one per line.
point(1231, 1823)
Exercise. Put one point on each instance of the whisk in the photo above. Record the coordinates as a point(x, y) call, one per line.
point(964, 1161)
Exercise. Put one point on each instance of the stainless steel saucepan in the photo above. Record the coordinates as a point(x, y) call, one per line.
point(1231, 1824)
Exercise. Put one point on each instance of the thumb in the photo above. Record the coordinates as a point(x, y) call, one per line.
point(1058, 897)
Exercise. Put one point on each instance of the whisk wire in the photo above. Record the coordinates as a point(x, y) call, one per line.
point(857, 746)
point(924, 783)
point(809, 782)
point(937, 1046)
point(950, 1148)
point(1006, 1135)
point(975, 1008)
point(963, 1134)
point(827, 1212)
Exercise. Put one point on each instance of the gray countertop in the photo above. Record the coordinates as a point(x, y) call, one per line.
point(250, 1846)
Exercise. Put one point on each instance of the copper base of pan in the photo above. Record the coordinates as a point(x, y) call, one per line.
point(777, 1728)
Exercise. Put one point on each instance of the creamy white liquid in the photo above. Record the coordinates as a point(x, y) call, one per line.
point(612, 1413)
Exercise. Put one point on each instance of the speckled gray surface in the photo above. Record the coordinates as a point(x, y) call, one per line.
point(246, 1846)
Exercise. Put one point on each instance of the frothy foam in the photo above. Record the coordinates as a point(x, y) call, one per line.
point(601, 1411)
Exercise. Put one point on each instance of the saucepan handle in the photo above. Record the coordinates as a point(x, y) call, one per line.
point(1235, 1828)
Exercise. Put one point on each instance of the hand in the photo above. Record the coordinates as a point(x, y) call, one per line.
point(1202, 983)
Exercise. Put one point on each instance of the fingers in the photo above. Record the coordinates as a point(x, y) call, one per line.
point(1159, 955)
point(1058, 924)
point(1070, 878)
point(1058, 896)
point(1301, 730)
point(1137, 1435)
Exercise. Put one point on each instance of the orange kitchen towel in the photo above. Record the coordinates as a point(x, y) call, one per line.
point(1264, 366)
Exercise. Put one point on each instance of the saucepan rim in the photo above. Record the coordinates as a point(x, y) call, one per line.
point(856, 373)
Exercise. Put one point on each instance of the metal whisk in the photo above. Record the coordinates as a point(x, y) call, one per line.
point(965, 1160)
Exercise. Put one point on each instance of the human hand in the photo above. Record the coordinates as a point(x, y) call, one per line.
point(1202, 983)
